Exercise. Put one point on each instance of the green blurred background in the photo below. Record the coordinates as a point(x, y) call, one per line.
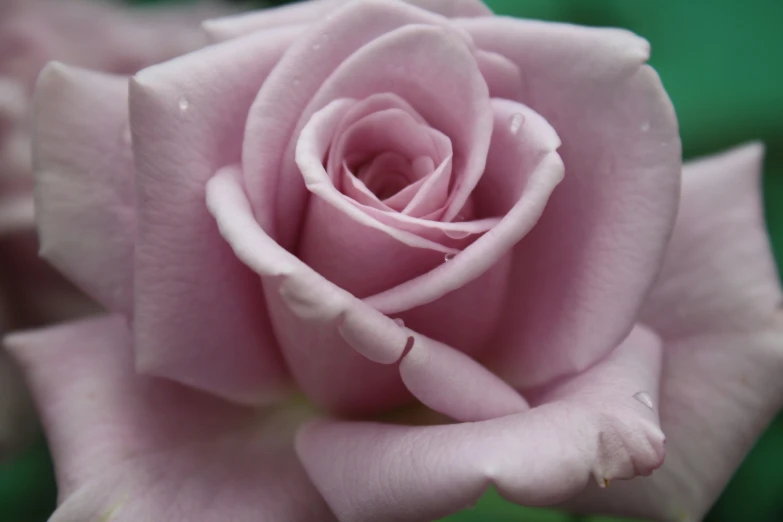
point(722, 63)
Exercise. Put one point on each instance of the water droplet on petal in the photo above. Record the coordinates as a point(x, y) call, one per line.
point(645, 399)
point(316, 47)
point(449, 257)
point(399, 322)
point(184, 104)
point(644, 127)
point(515, 122)
point(457, 234)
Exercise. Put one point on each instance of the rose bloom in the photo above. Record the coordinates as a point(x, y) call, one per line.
point(33, 32)
point(457, 235)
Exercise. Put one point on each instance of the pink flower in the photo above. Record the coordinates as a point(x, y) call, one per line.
point(385, 207)
point(86, 33)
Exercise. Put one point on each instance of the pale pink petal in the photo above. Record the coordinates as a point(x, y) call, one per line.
point(35, 32)
point(717, 306)
point(581, 275)
point(452, 383)
point(131, 448)
point(434, 70)
point(336, 231)
point(503, 77)
point(199, 316)
point(85, 191)
point(596, 424)
point(517, 198)
point(433, 193)
point(328, 336)
point(320, 68)
point(302, 13)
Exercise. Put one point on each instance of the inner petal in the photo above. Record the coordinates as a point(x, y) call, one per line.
point(386, 174)
point(388, 150)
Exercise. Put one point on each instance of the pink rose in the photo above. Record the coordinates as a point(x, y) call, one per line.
point(383, 207)
point(85, 33)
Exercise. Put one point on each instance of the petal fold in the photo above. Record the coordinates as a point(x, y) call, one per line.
point(581, 276)
point(85, 194)
point(717, 307)
point(130, 448)
point(200, 317)
point(594, 425)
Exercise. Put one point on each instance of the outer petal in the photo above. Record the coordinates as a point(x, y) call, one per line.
point(199, 314)
point(302, 13)
point(328, 336)
point(581, 275)
point(85, 194)
point(130, 448)
point(591, 425)
point(717, 306)
point(452, 383)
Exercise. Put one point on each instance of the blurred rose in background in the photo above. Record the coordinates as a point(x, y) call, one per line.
point(92, 34)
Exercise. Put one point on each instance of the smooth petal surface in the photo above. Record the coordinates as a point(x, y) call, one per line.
point(319, 69)
point(131, 448)
point(588, 426)
point(338, 234)
point(328, 336)
point(199, 314)
point(450, 382)
point(297, 15)
point(580, 277)
point(85, 192)
point(461, 301)
point(717, 307)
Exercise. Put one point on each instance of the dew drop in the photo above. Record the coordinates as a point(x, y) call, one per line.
point(316, 47)
point(644, 398)
point(449, 257)
point(184, 104)
point(399, 322)
point(644, 127)
point(515, 122)
point(457, 234)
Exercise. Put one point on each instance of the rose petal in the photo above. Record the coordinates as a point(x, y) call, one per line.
point(328, 337)
point(452, 383)
point(502, 76)
point(522, 171)
point(590, 425)
point(315, 64)
point(130, 448)
point(717, 307)
point(200, 317)
point(581, 275)
point(337, 233)
point(84, 181)
point(443, 74)
point(303, 13)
